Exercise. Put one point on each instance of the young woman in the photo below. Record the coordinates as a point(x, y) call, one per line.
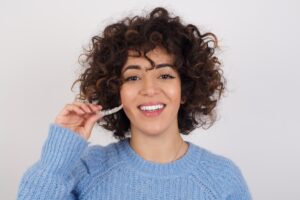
point(166, 78)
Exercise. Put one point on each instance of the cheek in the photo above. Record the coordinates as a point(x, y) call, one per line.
point(128, 95)
point(175, 92)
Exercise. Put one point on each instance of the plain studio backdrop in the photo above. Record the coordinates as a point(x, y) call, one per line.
point(257, 125)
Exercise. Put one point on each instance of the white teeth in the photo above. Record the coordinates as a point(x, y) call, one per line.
point(151, 108)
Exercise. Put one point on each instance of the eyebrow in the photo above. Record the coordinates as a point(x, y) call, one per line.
point(138, 67)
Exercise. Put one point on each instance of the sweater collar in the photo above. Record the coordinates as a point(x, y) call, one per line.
point(183, 165)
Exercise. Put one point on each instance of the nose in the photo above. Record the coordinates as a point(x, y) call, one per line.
point(149, 87)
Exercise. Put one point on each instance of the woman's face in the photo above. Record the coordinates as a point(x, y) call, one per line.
point(151, 98)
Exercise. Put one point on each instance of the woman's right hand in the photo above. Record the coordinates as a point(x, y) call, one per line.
point(79, 117)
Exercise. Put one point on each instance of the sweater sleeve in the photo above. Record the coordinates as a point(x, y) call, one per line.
point(222, 177)
point(53, 176)
point(236, 187)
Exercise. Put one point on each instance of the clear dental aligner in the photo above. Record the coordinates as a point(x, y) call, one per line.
point(111, 111)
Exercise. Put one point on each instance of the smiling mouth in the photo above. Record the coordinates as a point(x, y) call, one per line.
point(152, 108)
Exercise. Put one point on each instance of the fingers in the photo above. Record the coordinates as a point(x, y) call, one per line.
point(90, 124)
point(88, 108)
point(83, 115)
point(93, 115)
point(72, 108)
point(80, 108)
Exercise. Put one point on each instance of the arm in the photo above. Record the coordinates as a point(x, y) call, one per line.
point(237, 186)
point(56, 174)
point(53, 177)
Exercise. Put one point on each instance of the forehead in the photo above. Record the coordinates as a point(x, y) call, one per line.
point(157, 55)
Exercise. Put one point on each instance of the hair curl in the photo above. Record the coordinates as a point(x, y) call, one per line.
point(202, 81)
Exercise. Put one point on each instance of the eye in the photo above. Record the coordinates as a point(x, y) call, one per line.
point(167, 76)
point(131, 78)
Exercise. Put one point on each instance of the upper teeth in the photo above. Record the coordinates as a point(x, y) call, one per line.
point(154, 107)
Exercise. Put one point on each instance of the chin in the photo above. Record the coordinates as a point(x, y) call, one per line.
point(150, 131)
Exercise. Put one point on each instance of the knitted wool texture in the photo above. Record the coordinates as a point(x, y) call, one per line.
point(71, 169)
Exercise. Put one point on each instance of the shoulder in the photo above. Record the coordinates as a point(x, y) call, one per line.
point(222, 174)
point(217, 163)
point(100, 158)
point(213, 162)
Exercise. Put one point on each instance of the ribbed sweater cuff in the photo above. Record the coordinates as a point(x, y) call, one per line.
point(62, 149)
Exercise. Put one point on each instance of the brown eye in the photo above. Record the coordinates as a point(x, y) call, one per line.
point(167, 76)
point(131, 78)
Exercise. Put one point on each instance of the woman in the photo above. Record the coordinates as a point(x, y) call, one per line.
point(167, 79)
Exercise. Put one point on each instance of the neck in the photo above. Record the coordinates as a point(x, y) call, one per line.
point(162, 148)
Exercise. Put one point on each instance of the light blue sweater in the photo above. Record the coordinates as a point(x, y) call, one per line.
point(71, 169)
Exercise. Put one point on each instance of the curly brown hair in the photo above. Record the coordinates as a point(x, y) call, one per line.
point(202, 80)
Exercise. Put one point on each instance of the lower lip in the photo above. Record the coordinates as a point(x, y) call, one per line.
point(152, 113)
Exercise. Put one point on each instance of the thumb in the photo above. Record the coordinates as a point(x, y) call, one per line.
point(90, 124)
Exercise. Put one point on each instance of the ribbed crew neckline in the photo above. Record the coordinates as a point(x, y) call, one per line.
point(183, 165)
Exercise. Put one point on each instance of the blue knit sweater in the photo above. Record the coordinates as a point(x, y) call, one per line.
point(71, 169)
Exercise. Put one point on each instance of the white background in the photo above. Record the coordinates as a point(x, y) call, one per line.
point(257, 127)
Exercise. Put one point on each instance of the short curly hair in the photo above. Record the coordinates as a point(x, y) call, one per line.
point(202, 80)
